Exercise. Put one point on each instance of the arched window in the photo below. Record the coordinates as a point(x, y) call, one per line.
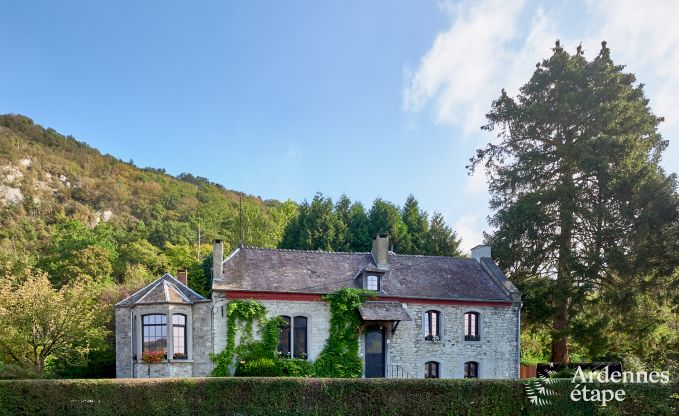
point(471, 369)
point(179, 337)
point(154, 333)
point(471, 326)
point(299, 327)
point(284, 340)
point(432, 325)
point(293, 338)
point(431, 369)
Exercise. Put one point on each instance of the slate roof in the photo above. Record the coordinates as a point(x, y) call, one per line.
point(166, 289)
point(408, 276)
point(383, 311)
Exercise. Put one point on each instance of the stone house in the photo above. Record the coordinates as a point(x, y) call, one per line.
point(433, 316)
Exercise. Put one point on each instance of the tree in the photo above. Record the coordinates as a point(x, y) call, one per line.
point(315, 228)
point(440, 239)
point(38, 322)
point(576, 185)
point(385, 218)
point(358, 232)
point(418, 227)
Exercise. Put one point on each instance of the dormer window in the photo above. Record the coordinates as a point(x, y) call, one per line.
point(372, 282)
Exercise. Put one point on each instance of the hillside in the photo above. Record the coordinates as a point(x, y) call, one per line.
point(50, 182)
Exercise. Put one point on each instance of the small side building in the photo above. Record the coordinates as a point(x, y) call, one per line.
point(164, 330)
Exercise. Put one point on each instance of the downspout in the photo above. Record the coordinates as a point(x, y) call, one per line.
point(134, 331)
point(518, 340)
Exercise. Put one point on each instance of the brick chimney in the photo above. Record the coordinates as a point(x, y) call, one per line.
point(183, 276)
point(380, 251)
point(480, 252)
point(217, 259)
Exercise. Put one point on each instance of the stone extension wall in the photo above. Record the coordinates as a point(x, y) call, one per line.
point(497, 352)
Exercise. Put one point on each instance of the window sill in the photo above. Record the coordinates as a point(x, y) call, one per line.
point(166, 361)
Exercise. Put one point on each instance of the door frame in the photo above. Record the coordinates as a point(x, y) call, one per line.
point(383, 330)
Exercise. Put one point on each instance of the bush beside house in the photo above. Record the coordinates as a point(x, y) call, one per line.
point(299, 396)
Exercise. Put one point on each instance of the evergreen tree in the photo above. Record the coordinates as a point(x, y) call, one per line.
point(358, 232)
point(576, 185)
point(440, 239)
point(385, 218)
point(418, 227)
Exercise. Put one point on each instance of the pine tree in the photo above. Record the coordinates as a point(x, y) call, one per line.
point(575, 182)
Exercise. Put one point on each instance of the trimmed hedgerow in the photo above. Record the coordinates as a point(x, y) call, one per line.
point(306, 396)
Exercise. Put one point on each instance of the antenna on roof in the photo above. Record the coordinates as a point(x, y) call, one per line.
point(198, 249)
point(240, 208)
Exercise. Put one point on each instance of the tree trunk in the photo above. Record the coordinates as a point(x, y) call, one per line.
point(563, 276)
point(559, 340)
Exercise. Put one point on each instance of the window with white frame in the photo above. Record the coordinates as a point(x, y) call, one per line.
point(154, 333)
point(372, 282)
point(179, 350)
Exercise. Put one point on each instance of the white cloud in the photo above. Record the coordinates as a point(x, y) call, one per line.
point(470, 229)
point(476, 183)
point(458, 75)
point(646, 39)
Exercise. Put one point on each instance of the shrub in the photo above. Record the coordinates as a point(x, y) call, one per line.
point(295, 367)
point(260, 367)
point(309, 396)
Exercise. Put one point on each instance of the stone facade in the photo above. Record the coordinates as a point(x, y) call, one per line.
point(497, 351)
point(409, 287)
point(129, 315)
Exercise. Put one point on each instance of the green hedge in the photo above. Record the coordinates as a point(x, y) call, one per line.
point(304, 396)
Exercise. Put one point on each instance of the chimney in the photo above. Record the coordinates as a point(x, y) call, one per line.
point(480, 252)
point(183, 276)
point(380, 250)
point(217, 259)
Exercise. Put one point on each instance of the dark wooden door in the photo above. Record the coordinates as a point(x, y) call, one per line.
point(374, 352)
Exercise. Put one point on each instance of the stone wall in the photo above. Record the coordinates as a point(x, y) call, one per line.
point(497, 352)
point(198, 342)
point(318, 320)
point(123, 327)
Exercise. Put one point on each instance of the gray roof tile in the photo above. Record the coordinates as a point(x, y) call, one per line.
point(383, 311)
point(411, 276)
point(165, 289)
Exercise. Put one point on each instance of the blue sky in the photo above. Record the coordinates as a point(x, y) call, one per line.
point(282, 99)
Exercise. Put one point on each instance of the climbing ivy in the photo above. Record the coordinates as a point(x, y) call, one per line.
point(240, 317)
point(340, 357)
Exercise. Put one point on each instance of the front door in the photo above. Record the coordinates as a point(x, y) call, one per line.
point(374, 352)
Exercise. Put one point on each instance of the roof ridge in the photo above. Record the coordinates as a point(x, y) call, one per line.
point(304, 251)
point(430, 256)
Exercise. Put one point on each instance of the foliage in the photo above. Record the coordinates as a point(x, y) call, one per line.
point(581, 201)
point(307, 397)
point(340, 357)
point(345, 226)
point(296, 367)
point(153, 356)
point(240, 319)
point(258, 367)
point(38, 321)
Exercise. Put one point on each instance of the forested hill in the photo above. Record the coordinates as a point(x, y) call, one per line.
point(71, 211)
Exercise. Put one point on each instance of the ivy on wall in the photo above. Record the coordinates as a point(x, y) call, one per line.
point(240, 320)
point(340, 357)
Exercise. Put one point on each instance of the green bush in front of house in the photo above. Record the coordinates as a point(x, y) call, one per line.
point(309, 396)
